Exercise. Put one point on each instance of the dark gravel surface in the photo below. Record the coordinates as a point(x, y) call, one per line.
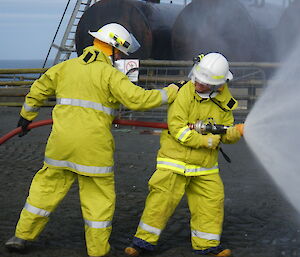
point(259, 222)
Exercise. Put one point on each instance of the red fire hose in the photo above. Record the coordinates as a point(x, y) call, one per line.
point(120, 122)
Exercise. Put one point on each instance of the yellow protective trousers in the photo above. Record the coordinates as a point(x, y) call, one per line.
point(205, 195)
point(97, 197)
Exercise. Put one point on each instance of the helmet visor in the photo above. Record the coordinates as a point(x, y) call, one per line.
point(205, 84)
point(134, 46)
point(211, 87)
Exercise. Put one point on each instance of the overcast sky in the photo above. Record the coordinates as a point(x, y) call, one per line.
point(27, 27)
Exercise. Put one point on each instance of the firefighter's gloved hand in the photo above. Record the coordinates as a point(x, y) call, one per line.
point(232, 134)
point(210, 141)
point(180, 83)
point(24, 124)
point(173, 86)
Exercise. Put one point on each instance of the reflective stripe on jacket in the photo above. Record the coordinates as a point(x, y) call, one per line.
point(88, 92)
point(184, 168)
point(181, 144)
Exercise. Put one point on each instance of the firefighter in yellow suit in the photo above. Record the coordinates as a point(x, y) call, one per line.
point(88, 92)
point(187, 161)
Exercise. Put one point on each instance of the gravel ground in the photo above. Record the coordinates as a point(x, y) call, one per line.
point(259, 222)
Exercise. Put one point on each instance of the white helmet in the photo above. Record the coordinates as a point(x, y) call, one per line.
point(117, 36)
point(212, 69)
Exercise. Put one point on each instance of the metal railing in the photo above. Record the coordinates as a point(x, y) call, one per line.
point(249, 81)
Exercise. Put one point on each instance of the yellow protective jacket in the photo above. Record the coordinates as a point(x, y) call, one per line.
point(88, 91)
point(180, 148)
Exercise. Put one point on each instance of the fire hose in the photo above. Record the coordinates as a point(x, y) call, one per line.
point(50, 121)
point(199, 126)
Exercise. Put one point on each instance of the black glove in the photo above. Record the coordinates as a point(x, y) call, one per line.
point(24, 124)
point(180, 83)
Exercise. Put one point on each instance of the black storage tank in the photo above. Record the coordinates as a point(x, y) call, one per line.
point(222, 26)
point(150, 23)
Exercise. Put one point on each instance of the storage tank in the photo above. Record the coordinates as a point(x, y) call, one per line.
point(215, 25)
point(266, 15)
point(288, 30)
point(150, 23)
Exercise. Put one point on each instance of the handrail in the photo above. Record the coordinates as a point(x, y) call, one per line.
point(142, 78)
point(14, 89)
point(162, 63)
point(23, 71)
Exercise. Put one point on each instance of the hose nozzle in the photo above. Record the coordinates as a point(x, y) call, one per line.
point(216, 129)
point(204, 128)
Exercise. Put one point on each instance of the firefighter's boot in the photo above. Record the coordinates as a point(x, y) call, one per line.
point(218, 251)
point(133, 250)
point(16, 244)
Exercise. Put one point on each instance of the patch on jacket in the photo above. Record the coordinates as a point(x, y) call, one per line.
point(231, 103)
point(89, 55)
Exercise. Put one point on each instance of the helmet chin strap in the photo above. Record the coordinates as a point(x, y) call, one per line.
point(215, 102)
point(113, 56)
point(210, 94)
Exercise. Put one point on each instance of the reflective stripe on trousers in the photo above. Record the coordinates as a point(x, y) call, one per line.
point(36, 210)
point(78, 167)
point(184, 168)
point(86, 104)
point(98, 224)
point(149, 229)
point(203, 235)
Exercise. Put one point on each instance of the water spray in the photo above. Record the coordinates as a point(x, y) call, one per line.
point(270, 127)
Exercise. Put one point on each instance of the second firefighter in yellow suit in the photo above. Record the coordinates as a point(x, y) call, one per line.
point(187, 162)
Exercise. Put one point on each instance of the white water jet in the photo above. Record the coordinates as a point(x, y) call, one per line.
point(272, 128)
